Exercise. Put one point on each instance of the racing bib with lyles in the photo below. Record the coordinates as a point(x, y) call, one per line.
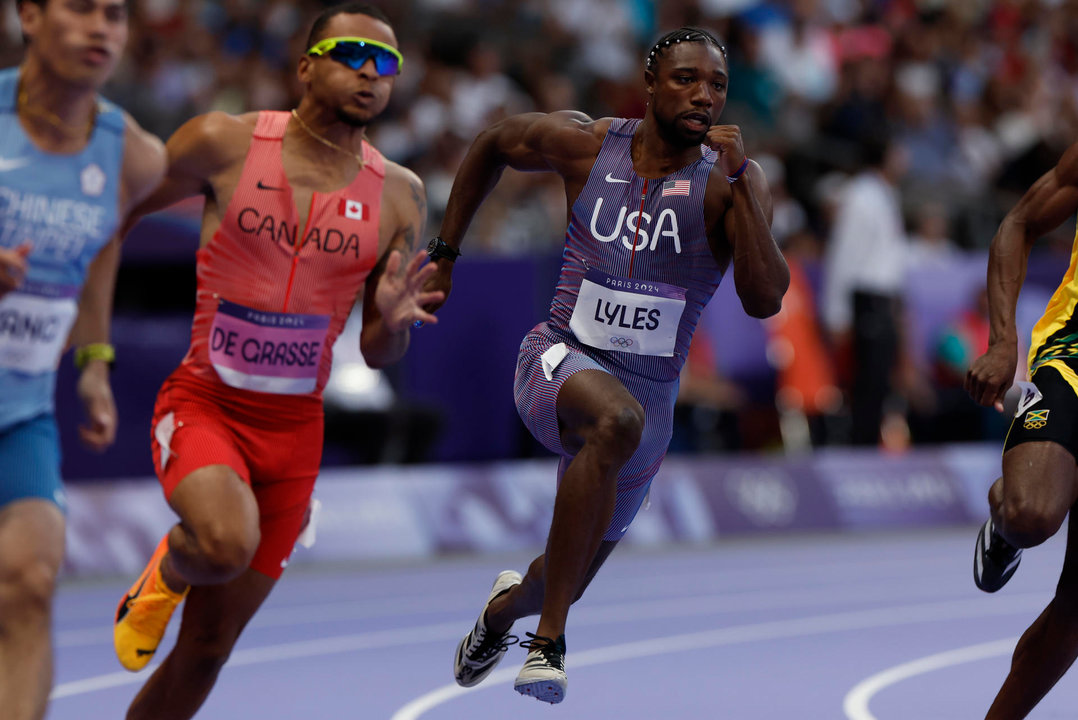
point(35, 321)
point(627, 315)
point(267, 351)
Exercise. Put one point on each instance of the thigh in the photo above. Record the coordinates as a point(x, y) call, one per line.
point(30, 462)
point(544, 366)
point(283, 508)
point(1042, 444)
point(214, 496)
point(190, 436)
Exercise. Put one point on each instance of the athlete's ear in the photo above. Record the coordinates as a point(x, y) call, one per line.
point(649, 82)
point(304, 69)
point(30, 18)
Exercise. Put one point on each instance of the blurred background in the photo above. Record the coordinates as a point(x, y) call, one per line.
point(953, 108)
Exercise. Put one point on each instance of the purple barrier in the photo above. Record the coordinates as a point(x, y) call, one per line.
point(425, 510)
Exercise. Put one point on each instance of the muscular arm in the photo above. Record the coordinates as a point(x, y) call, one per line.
point(393, 295)
point(761, 275)
point(531, 142)
point(1051, 200)
point(143, 169)
point(198, 150)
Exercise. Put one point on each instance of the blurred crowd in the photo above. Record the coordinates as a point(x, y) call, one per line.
point(946, 110)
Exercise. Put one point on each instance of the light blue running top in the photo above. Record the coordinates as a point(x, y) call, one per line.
point(66, 206)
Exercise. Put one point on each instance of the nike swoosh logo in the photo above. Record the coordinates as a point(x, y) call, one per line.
point(611, 179)
point(141, 653)
point(262, 186)
point(124, 606)
point(13, 163)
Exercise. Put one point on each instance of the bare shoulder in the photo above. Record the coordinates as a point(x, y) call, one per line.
point(145, 162)
point(404, 202)
point(212, 141)
point(399, 177)
point(144, 153)
point(571, 130)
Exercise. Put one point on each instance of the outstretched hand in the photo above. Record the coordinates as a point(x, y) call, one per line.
point(991, 375)
point(400, 296)
point(13, 267)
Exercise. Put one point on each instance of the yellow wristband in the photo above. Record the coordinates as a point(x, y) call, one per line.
point(94, 351)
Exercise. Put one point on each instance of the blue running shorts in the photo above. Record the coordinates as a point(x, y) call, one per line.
point(537, 397)
point(30, 462)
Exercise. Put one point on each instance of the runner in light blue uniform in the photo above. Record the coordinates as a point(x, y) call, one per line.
point(66, 206)
point(659, 208)
point(72, 167)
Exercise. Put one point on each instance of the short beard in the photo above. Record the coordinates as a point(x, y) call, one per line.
point(352, 120)
point(670, 133)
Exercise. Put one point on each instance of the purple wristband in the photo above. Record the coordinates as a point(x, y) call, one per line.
point(740, 171)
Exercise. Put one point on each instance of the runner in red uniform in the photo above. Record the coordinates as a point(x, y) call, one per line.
point(301, 216)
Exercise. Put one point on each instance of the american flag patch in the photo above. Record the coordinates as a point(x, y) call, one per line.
point(354, 210)
point(676, 187)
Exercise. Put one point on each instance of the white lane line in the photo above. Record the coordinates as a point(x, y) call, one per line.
point(452, 631)
point(856, 702)
point(818, 625)
point(663, 607)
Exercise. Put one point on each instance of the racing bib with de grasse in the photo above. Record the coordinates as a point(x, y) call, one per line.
point(267, 351)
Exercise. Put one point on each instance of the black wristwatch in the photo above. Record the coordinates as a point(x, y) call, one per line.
point(438, 248)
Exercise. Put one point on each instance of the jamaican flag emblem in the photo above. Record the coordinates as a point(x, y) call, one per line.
point(1035, 419)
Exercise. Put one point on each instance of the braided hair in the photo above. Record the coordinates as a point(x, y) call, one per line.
point(684, 34)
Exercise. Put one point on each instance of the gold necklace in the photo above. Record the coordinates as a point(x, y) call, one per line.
point(22, 103)
point(327, 143)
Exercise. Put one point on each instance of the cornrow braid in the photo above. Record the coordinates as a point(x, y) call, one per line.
point(684, 34)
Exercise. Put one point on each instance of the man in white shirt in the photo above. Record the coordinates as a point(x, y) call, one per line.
point(864, 274)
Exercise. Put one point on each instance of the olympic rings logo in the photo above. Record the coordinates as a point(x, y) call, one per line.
point(621, 341)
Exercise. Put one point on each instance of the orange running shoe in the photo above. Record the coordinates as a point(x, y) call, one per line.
point(144, 613)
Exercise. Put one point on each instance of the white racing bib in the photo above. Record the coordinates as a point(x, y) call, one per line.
point(627, 315)
point(267, 351)
point(34, 324)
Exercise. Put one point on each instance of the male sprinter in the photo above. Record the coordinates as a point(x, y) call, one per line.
point(302, 216)
point(1039, 485)
point(71, 168)
point(659, 208)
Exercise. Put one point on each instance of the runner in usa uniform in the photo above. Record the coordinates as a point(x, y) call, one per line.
point(654, 221)
point(302, 216)
point(1039, 486)
point(72, 166)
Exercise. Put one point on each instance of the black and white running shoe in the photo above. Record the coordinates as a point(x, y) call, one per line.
point(994, 559)
point(480, 650)
point(543, 674)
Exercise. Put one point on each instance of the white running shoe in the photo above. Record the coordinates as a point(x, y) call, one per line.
point(480, 651)
point(543, 674)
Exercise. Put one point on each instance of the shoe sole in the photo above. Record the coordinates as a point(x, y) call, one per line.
point(549, 691)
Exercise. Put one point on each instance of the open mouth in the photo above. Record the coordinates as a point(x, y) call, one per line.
point(697, 122)
point(96, 55)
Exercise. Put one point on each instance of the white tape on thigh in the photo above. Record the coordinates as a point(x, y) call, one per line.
point(162, 433)
point(307, 537)
point(552, 358)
